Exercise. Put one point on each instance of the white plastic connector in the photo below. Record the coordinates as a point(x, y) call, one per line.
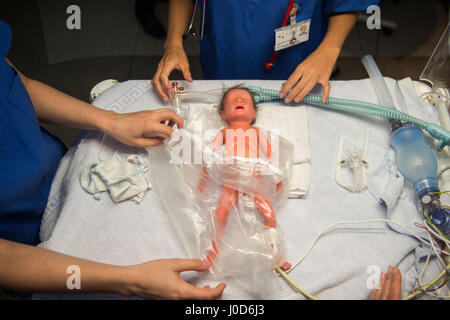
point(357, 161)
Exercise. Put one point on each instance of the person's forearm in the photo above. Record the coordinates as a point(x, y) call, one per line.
point(180, 12)
point(55, 107)
point(25, 268)
point(339, 27)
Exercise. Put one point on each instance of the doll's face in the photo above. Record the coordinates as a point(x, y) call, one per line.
point(238, 106)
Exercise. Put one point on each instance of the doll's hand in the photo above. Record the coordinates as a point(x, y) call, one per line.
point(316, 68)
point(279, 186)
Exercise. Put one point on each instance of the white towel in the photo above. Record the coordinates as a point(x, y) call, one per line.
point(299, 180)
point(292, 125)
point(124, 180)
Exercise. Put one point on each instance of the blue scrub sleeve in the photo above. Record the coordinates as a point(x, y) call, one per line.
point(5, 38)
point(339, 6)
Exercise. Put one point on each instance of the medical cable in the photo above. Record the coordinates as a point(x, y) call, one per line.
point(292, 283)
point(423, 288)
point(442, 171)
point(355, 222)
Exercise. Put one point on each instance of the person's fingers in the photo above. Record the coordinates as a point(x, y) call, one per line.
point(291, 82)
point(396, 286)
point(167, 70)
point(387, 286)
point(154, 127)
point(373, 294)
point(148, 142)
point(218, 291)
point(186, 72)
point(304, 82)
point(161, 78)
point(189, 291)
point(180, 265)
point(306, 89)
point(164, 80)
point(170, 115)
point(380, 286)
point(157, 85)
point(326, 90)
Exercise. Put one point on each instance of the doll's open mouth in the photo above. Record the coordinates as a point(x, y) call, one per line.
point(239, 107)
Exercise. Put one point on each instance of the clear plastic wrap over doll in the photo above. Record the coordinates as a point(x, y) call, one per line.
point(220, 181)
point(241, 144)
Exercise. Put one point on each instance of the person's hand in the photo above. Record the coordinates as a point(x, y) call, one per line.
point(390, 286)
point(174, 58)
point(316, 68)
point(160, 279)
point(132, 128)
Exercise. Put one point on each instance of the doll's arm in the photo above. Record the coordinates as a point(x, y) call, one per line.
point(265, 145)
point(219, 139)
point(218, 142)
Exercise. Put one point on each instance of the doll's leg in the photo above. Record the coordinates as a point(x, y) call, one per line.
point(226, 202)
point(266, 209)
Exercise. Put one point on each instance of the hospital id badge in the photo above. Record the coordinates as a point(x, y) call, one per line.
point(289, 36)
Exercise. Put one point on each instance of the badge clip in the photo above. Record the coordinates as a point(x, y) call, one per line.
point(293, 14)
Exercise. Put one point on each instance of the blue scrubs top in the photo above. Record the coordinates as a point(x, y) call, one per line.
point(239, 35)
point(29, 156)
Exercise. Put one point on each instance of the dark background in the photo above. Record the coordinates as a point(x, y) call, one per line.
point(112, 44)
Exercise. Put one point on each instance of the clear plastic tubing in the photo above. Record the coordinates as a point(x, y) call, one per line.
point(365, 108)
point(381, 89)
point(378, 83)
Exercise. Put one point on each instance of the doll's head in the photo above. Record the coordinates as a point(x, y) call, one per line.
point(238, 105)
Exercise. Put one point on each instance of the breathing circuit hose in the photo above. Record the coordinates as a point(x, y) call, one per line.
point(365, 108)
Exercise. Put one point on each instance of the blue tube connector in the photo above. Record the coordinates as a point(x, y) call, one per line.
point(440, 134)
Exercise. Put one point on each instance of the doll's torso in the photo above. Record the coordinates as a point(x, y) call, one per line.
point(241, 142)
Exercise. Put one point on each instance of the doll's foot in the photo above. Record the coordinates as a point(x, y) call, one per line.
point(271, 240)
point(285, 266)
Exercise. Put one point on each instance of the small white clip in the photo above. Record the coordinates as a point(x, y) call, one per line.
point(293, 14)
point(357, 162)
